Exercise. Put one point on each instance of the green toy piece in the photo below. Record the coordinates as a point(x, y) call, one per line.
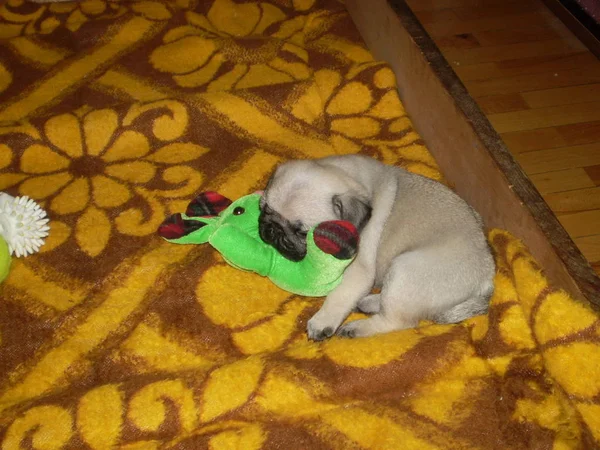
point(232, 229)
point(5, 259)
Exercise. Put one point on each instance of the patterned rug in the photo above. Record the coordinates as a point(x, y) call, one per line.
point(113, 115)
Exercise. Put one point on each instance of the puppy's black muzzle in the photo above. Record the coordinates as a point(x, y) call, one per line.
point(274, 234)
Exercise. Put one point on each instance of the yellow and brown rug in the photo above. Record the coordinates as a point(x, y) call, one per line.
point(113, 115)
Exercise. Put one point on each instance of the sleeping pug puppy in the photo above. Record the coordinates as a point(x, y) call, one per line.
point(421, 244)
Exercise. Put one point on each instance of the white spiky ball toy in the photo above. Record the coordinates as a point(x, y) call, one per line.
point(23, 224)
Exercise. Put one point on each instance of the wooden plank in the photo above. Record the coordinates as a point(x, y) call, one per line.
point(581, 224)
point(565, 95)
point(590, 246)
point(491, 104)
point(449, 25)
point(465, 40)
point(561, 180)
point(543, 63)
point(536, 64)
point(574, 201)
point(514, 34)
point(580, 133)
point(470, 153)
point(594, 173)
point(513, 51)
point(545, 117)
point(501, 9)
point(533, 65)
point(529, 140)
point(536, 81)
point(427, 5)
point(596, 267)
point(561, 158)
point(437, 16)
point(481, 71)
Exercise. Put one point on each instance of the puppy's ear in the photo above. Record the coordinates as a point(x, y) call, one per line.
point(353, 209)
point(263, 198)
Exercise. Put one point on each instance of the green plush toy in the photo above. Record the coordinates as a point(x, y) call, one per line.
point(232, 229)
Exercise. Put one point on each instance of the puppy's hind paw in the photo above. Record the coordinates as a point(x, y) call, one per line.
point(367, 327)
point(357, 328)
point(346, 332)
point(371, 304)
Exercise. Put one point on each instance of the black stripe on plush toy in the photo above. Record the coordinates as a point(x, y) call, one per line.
point(175, 227)
point(338, 238)
point(207, 204)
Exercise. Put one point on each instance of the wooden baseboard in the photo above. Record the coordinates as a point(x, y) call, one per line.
point(576, 19)
point(469, 151)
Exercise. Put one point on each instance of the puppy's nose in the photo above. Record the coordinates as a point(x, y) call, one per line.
point(268, 232)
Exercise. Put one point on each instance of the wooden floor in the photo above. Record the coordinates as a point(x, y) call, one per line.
point(540, 88)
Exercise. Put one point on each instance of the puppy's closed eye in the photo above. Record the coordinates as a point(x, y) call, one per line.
point(353, 209)
point(300, 231)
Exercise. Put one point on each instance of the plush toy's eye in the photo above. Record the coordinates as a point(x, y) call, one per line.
point(238, 211)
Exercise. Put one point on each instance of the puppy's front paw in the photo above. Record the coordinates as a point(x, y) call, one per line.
point(318, 330)
point(348, 330)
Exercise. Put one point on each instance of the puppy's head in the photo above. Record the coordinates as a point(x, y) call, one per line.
point(302, 194)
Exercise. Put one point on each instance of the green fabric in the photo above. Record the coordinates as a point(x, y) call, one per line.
point(237, 238)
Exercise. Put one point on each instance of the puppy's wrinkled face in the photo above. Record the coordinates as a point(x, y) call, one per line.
point(299, 196)
point(289, 238)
